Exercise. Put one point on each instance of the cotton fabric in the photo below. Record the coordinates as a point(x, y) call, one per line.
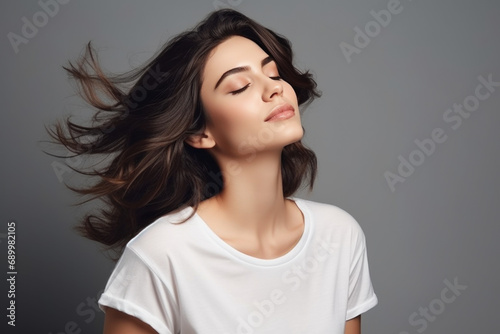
point(183, 278)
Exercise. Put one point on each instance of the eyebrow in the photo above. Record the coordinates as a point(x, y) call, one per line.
point(263, 62)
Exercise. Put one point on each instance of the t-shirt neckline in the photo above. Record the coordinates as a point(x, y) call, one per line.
point(299, 246)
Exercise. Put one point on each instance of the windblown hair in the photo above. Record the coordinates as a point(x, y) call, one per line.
point(143, 128)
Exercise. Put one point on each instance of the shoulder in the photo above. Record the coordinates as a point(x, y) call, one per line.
point(166, 233)
point(329, 216)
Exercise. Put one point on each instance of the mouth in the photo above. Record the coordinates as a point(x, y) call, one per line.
point(281, 112)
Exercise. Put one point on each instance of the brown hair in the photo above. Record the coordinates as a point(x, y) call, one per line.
point(142, 129)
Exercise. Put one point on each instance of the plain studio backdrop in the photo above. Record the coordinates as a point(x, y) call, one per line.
point(406, 135)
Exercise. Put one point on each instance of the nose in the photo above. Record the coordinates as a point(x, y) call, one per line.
point(272, 89)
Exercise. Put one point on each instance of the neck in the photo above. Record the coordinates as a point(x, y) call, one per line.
point(252, 197)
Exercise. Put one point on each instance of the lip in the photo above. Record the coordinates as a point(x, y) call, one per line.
point(283, 111)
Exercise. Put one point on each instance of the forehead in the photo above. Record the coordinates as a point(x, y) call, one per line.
point(235, 51)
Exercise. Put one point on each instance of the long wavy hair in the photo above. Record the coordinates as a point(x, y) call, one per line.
point(143, 119)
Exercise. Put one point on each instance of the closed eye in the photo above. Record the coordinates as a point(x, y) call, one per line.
point(241, 90)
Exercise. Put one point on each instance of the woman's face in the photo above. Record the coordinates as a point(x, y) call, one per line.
point(238, 103)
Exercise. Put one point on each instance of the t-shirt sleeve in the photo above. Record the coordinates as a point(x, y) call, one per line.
point(135, 289)
point(361, 295)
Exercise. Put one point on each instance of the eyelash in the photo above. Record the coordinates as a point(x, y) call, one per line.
point(236, 92)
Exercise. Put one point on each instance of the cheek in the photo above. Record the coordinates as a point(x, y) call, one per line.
point(233, 122)
point(229, 115)
point(290, 93)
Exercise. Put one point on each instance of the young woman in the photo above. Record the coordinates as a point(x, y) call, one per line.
point(204, 154)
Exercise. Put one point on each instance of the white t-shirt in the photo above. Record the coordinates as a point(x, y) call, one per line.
point(183, 278)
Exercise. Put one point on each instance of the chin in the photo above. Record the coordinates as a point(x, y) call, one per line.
point(282, 133)
point(292, 135)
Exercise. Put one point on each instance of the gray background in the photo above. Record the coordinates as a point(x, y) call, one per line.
point(439, 224)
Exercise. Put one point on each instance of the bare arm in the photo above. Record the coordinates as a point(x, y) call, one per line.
point(353, 326)
point(117, 322)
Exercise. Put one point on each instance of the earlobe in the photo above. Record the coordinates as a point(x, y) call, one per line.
point(202, 140)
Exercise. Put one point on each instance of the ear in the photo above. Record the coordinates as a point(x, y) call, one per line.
point(201, 140)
